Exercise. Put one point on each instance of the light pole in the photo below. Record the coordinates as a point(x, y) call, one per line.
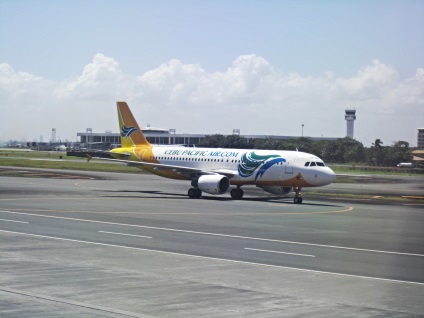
point(302, 129)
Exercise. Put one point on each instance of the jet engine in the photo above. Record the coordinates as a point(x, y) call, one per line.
point(277, 189)
point(213, 184)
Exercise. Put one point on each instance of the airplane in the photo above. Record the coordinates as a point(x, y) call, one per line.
point(214, 170)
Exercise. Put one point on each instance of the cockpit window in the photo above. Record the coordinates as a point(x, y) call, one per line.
point(314, 164)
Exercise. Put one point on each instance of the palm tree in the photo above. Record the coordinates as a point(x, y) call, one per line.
point(377, 144)
point(377, 150)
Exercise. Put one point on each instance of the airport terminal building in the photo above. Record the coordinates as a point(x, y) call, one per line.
point(156, 136)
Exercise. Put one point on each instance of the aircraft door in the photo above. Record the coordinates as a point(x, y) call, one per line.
point(289, 164)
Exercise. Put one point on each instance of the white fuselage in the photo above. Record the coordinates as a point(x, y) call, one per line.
point(213, 170)
point(248, 166)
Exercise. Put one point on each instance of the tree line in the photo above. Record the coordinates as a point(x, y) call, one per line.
point(343, 150)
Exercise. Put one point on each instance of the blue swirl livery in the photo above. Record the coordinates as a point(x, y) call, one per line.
point(127, 131)
point(251, 161)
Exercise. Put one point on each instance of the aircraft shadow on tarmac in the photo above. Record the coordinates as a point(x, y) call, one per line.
point(156, 194)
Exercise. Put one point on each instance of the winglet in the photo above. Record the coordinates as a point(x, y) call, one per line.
point(131, 134)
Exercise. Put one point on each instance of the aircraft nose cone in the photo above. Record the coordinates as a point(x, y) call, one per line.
point(326, 177)
point(331, 176)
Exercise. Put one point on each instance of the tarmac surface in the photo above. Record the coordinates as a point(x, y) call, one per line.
point(85, 244)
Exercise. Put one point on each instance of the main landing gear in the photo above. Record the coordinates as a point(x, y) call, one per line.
point(194, 193)
point(297, 198)
point(237, 193)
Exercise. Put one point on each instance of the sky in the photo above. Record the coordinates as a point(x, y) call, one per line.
point(264, 67)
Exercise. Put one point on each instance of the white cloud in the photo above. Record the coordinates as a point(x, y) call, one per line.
point(373, 81)
point(20, 85)
point(410, 92)
point(102, 77)
point(170, 84)
point(250, 95)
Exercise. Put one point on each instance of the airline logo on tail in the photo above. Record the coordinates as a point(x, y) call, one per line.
point(127, 131)
point(131, 134)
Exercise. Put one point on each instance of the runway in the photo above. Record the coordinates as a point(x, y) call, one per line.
point(118, 245)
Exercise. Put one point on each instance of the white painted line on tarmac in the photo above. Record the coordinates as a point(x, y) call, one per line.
point(123, 234)
point(214, 234)
point(218, 259)
point(71, 303)
point(277, 252)
point(5, 220)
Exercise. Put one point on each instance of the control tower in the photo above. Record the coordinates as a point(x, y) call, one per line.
point(350, 117)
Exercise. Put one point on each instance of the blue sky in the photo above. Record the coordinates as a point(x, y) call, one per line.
point(265, 67)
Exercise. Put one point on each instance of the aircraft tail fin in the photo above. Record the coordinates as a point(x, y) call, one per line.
point(131, 134)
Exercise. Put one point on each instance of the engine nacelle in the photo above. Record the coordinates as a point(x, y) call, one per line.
point(277, 189)
point(213, 184)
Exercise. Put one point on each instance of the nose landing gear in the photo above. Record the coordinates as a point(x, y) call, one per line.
point(297, 198)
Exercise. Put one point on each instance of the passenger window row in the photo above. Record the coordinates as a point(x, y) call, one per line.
point(194, 159)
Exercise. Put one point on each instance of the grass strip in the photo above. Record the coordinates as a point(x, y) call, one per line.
point(69, 165)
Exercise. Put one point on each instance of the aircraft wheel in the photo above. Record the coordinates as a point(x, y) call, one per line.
point(198, 193)
point(237, 194)
point(233, 193)
point(297, 200)
point(192, 193)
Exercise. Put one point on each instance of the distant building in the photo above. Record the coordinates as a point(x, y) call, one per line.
point(350, 116)
point(420, 138)
point(157, 136)
point(418, 158)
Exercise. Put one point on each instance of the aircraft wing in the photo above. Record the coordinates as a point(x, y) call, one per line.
point(185, 171)
point(97, 154)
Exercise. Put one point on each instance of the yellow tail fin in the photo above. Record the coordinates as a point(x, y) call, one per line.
point(131, 134)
